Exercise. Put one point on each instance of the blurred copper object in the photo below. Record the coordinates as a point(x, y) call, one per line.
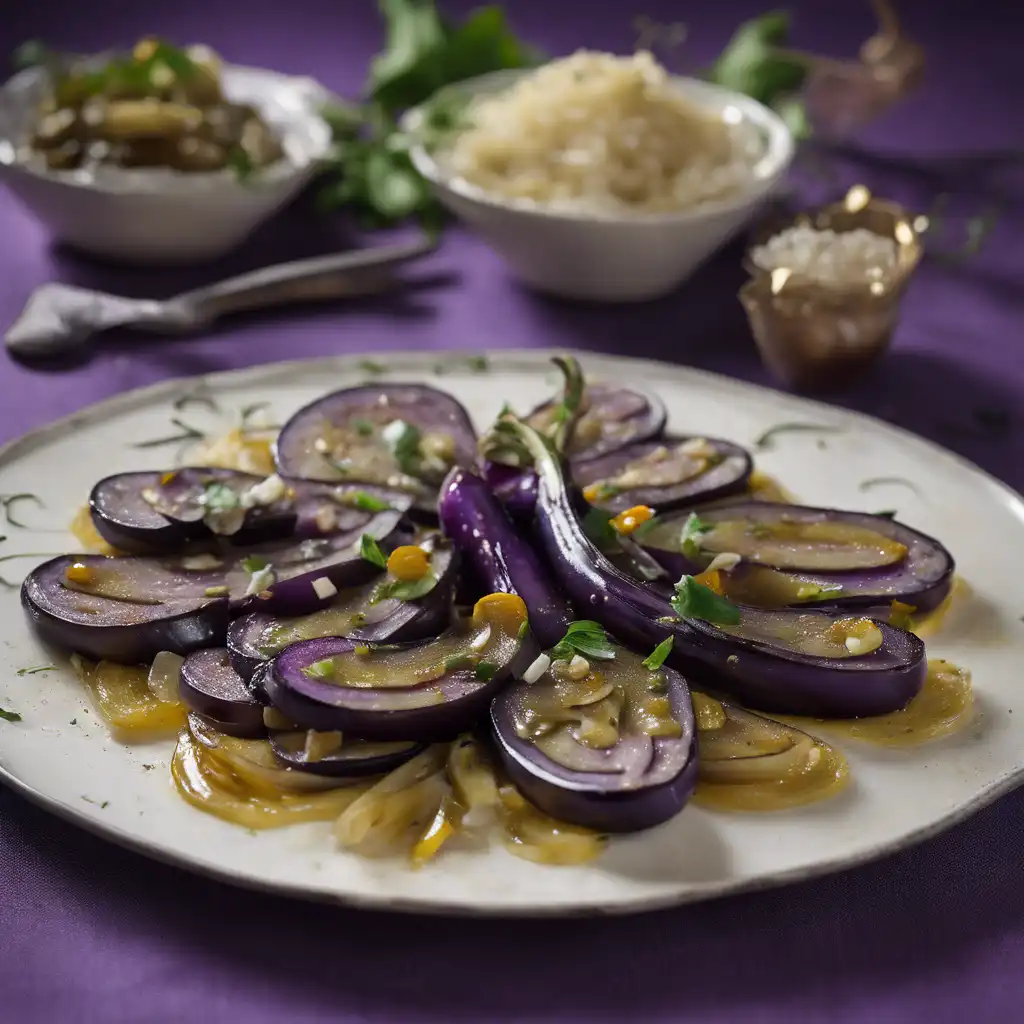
point(843, 96)
point(819, 337)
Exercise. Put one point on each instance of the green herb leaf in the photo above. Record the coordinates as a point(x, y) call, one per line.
point(812, 591)
point(323, 669)
point(693, 529)
point(368, 502)
point(404, 441)
point(602, 491)
point(10, 716)
point(657, 657)
point(751, 62)
point(364, 428)
point(793, 111)
point(693, 600)
point(370, 550)
point(587, 638)
point(35, 669)
point(219, 497)
point(767, 439)
point(887, 513)
point(598, 527)
point(454, 662)
point(253, 564)
point(404, 590)
point(369, 366)
point(486, 671)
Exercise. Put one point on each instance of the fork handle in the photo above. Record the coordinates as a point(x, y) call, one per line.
point(319, 278)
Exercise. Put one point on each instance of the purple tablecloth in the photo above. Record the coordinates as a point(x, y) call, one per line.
point(89, 932)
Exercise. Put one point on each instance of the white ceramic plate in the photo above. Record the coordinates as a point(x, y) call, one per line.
point(896, 798)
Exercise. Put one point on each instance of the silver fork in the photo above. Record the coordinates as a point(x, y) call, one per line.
point(59, 318)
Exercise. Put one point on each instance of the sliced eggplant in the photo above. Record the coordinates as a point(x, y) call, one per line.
point(155, 512)
point(405, 436)
point(142, 607)
point(338, 756)
point(615, 751)
point(127, 609)
point(211, 688)
point(356, 612)
point(795, 662)
point(427, 691)
point(498, 555)
point(610, 418)
point(664, 474)
point(798, 555)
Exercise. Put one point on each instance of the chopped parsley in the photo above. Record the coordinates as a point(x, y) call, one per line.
point(253, 564)
point(456, 661)
point(598, 527)
point(404, 441)
point(886, 513)
point(371, 551)
point(219, 497)
point(693, 529)
point(693, 600)
point(9, 716)
point(486, 671)
point(364, 428)
point(404, 590)
point(370, 366)
point(35, 669)
point(584, 637)
point(657, 657)
point(323, 669)
point(368, 502)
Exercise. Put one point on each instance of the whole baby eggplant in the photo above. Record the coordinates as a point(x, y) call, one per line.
point(501, 560)
point(354, 613)
point(397, 435)
point(758, 662)
point(664, 474)
point(160, 512)
point(801, 555)
point(639, 781)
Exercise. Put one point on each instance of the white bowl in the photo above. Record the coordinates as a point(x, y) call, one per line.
point(610, 258)
point(163, 216)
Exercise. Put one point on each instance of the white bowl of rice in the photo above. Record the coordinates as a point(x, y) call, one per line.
point(600, 177)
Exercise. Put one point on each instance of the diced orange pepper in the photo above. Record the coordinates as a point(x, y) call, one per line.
point(626, 522)
point(507, 611)
point(168, 477)
point(592, 493)
point(79, 573)
point(711, 580)
point(408, 563)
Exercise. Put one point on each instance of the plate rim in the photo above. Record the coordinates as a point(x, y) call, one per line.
point(534, 359)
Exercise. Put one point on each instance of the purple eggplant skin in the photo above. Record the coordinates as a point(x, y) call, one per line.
point(315, 704)
point(131, 524)
point(168, 607)
point(500, 558)
point(514, 486)
point(211, 688)
point(728, 476)
point(393, 621)
point(756, 674)
point(922, 579)
point(602, 801)
point(627, 415)
point(426, 408)
point(345, 766)
point(127, 632)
